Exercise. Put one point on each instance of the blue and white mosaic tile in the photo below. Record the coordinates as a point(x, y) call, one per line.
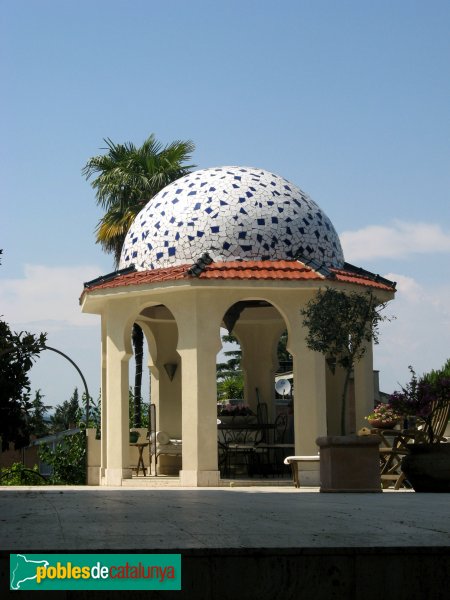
point(231, 213)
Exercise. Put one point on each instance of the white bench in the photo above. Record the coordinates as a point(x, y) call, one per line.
point(294, 461)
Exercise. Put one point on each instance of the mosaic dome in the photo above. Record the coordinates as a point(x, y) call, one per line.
point(231, 213)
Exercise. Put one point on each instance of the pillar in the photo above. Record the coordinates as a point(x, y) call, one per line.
point(259, 361)
point(115, 424)
point(103, 394)
point(364, 386)
point(310, 419)
point(199, 342)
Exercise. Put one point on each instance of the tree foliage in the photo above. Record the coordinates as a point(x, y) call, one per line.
point(284, 356)
point(231, 386)
point(67, 415)
point(67, 459)
point(18, 351)
point(232, 366)
point(127, 178)
point(18, 474)
point(338, 324)
point(424, 397)
point(37, 422)
point(95, 411)
point(435, 375)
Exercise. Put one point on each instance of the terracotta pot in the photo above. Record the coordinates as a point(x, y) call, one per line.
point(382, 425)
point(427, 467)
point(237, 420)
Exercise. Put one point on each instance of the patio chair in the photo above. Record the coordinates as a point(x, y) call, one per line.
point(439, 422)
point(161, 443)
point(270, 455)
point(237, 451)
point(391, 457)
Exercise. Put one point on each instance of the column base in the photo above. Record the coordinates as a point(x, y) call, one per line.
point(93, 475)
point(115, 476)
point(199, 478)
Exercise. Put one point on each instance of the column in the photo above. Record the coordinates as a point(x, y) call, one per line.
point(259, 361)
point(364, 387)
point(103, 396)
point(116, 424)
point(199, 342)
point(310, 419)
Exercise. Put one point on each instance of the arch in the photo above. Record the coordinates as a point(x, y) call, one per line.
point(72, 362)
point(45, 347)
point(257, 324)
point(164, 370)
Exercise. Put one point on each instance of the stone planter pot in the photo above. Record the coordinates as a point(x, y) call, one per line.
point(427, 467)
point(349, 463)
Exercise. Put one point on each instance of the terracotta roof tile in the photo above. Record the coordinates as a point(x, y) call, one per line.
point(360, 279)
point(242, 270)
point(257, 269)
point(141, 277)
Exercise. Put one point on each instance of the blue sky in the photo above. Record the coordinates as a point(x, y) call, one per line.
point(349, 100)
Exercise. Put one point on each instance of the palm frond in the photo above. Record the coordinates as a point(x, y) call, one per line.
point(127, 177)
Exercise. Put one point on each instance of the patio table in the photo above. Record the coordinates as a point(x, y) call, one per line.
point(140, 464)
point(238, 442)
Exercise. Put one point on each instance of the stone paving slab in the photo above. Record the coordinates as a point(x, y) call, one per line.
point(110, 519)
point(243, 543)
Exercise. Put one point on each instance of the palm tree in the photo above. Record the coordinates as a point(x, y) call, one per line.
point(127, 178)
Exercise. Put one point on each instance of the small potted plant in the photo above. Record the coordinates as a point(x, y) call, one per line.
point(383, 416)
point(427, 466)
point(134, 436)
point(235, 410)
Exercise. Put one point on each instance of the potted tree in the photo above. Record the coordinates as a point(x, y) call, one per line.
point(339, 323)
point(427, 400)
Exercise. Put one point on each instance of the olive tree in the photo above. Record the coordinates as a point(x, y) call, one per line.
point(339, 323)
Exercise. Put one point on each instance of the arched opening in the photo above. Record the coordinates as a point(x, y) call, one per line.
point(253, 429)
point(162, 376)
point(230, 379)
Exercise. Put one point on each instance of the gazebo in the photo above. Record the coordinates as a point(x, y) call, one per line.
point(232, 247)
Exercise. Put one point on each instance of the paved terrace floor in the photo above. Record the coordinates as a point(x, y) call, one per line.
point(245, 543)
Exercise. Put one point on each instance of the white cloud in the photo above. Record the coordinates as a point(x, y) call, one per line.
point(407, 287)
point(46, 296)
point(419, 335)
point(399, 240)
point(46, 299)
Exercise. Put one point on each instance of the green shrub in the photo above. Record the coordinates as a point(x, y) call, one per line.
point(68, 460)
point(18, 474)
